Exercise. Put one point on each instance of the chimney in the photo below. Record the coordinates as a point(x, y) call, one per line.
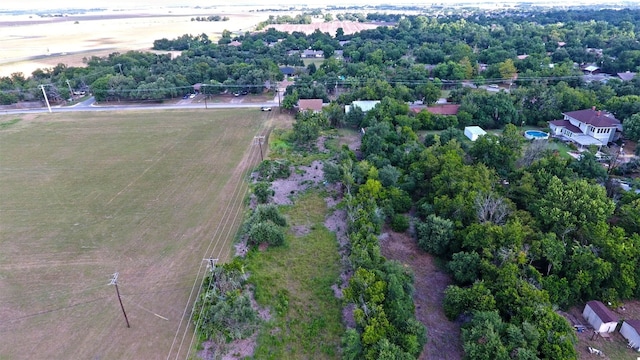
point(599, 112)
point(593, 108)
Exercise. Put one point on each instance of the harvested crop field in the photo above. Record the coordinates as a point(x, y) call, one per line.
point(30, 43)
point(85, 195)
point(349, 27)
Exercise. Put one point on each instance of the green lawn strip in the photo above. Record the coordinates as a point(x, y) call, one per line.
point(7, 124)
point(294, 281)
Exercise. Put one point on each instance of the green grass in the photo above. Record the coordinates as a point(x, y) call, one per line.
point(562, 148)
point(7, 124)
point(294, 281)
point(87, 194)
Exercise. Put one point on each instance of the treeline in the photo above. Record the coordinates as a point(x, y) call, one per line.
point(522, 231)
point(210, 18)
point(285, 19)
point(417, 49)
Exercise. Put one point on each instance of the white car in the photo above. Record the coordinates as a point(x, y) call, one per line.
point(265, 108)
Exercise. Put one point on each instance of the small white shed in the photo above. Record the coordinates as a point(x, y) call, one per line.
point(364, 105)
point(473, 132)
point(631, 331)
point(600, 317)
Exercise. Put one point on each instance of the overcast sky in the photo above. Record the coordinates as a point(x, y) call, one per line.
point(141, 4)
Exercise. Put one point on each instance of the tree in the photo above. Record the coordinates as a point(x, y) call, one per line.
point(631, 127)
point(587, 166)
point(464, 266)
point(435, 234)
point(567, 207)
point(507, 69)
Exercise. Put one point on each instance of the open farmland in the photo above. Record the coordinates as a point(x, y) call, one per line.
point(147, 194)
point(349, 27)
point(32, 43)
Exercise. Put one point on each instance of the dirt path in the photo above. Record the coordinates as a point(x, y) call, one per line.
point(443, 335)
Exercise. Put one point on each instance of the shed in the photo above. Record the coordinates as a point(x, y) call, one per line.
point(364, 105)
point(600, 317)
point(473, 132)
point(631, 331)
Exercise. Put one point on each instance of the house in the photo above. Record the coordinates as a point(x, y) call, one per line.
point(591, 70)
point(473, 132)
point(587, 127)
point(364, 105)
point(561, 44)
point(314, 105)
point(312, 54)
point(626, 76)
point(631, 331)
point(600, 317)
point(287, 70)
point(235, 43)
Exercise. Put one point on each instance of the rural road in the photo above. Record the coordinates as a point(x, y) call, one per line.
point(89, 105)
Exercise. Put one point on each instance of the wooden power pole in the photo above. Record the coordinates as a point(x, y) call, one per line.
point(114, 281)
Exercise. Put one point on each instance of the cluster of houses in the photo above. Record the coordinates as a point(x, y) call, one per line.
point(604, 322)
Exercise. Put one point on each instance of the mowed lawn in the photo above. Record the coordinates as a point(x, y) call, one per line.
point(83, 195)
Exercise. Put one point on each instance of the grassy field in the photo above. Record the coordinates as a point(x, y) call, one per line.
point(295, 282)
point(147, 194)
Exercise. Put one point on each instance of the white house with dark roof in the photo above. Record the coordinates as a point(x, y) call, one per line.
point(631, 331)
point(600, 317)
point(587, 127)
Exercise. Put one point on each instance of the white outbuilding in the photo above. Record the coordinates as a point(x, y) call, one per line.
point(600, 317)
point(473, 132)
point(631, 331)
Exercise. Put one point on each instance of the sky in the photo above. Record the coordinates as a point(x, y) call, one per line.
point(39, 5)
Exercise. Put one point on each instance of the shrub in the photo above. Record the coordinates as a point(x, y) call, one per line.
point(266, 232)
point(263, 191)
point(399, 223)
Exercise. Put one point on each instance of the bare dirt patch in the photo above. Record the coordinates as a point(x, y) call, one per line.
point(302, 178)
point(430, 282)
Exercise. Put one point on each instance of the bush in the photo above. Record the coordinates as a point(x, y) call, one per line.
point(266, 232)
point(270, 170)
point(263, 191)
point(399, 223)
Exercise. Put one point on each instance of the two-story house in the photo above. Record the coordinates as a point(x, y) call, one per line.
point(587, 127)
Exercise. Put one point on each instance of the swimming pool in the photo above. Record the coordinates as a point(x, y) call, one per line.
point(536, 135)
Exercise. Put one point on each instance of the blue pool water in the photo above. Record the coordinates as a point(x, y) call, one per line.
point(535, 134)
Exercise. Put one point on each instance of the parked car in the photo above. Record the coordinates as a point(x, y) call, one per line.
point(236, 94)
point(265, 108)
point(244, 92)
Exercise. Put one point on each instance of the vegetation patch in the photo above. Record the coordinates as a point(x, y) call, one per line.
point(7, 124)
point(295, 280)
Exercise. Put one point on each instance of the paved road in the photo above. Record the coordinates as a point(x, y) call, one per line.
point(89, 105)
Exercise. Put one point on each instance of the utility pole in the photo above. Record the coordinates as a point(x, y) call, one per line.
point(46, 99)
point(259, 140)
point(120, 66)
point(279, 106)
point(204, 91)
point(70, 91)
point(211, 263)
point(114, 281)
